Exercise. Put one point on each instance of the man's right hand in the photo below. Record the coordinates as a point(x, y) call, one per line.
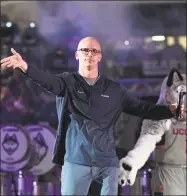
point(14, 61)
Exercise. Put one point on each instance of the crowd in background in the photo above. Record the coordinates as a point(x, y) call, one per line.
point(23, 102)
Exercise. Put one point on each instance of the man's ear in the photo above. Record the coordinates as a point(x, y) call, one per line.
point(100, 58)
point(76, 56)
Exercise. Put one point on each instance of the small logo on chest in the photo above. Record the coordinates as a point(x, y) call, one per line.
point(107, 96)
point(81, 92)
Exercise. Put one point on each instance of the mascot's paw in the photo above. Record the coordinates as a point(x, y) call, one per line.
point(132, 176)
point(127, 174)
point(123, 177)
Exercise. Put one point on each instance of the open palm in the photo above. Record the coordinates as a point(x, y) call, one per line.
point(14, 61)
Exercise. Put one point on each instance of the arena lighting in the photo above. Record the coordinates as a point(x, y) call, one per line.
point(158, 38)
point(8, 31)
point(30, 35)
point(126, 42)
point(8, 24)
point(32, 25)
point(56, 61)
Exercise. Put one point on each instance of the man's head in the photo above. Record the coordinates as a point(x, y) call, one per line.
point(88, 53)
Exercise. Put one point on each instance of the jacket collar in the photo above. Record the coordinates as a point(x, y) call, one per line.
point(99, 84)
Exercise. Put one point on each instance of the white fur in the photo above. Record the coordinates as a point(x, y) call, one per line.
point(145, 145)
point(151, 133)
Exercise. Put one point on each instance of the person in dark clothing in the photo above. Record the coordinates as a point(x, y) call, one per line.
point(88, 106)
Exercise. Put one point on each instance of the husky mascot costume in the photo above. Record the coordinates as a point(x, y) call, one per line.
point(169, 174)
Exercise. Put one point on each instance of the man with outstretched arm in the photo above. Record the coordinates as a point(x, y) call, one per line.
point(88, 106)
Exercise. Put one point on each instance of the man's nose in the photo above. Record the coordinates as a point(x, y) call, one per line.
point(89, 53)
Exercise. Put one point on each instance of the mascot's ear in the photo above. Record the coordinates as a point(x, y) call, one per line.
point(173, 77)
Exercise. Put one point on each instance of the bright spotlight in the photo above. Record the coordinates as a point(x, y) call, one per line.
point(158, 38)
point(8, 24)
point(32, 25)
point(126, 42)
point(8, 31)
point(30, 35)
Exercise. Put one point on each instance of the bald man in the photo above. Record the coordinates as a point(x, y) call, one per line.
point(88, 106)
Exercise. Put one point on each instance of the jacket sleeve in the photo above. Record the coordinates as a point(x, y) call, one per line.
point(151, 133)
point(136, 107)
point(50, 82)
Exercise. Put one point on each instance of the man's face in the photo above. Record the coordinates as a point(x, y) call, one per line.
point(88, 53)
